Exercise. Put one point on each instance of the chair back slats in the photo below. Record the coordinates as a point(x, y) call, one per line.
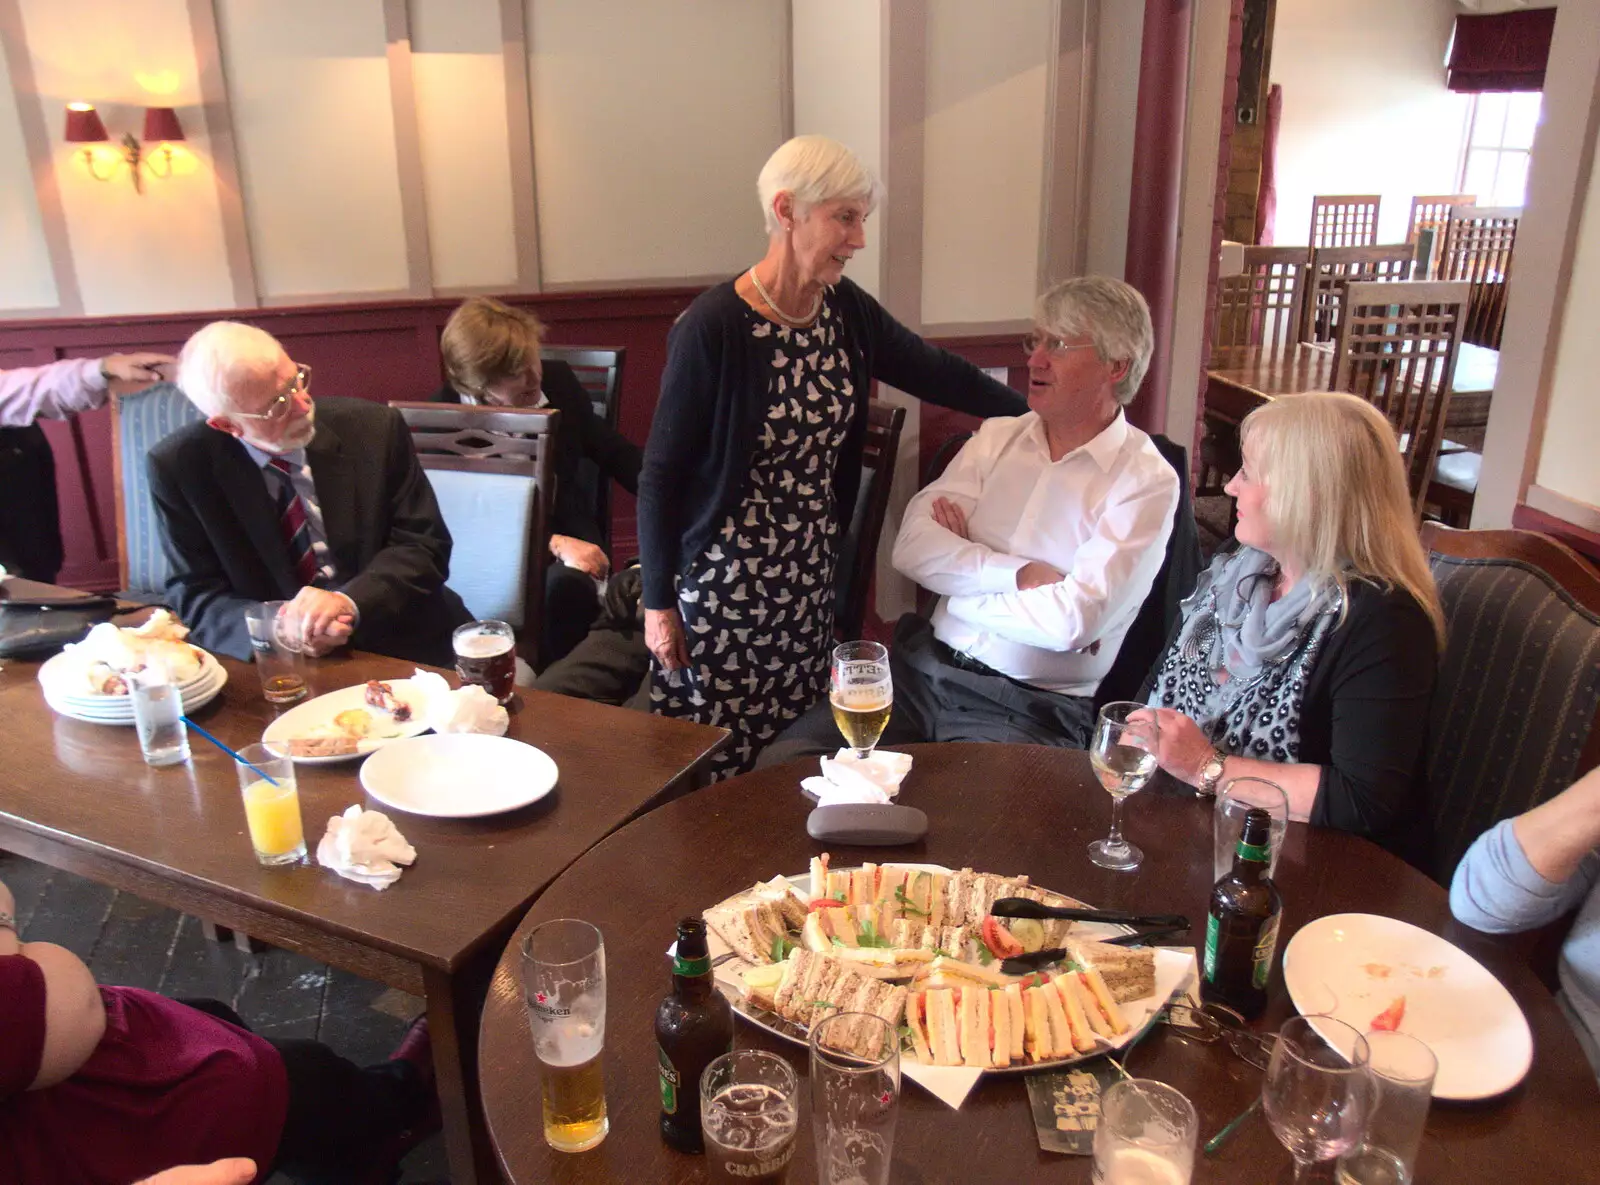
point(1333, 267)
point(858, 553)
point(1260, 306)
point(599, 372)
point(1479, 243)
point(497, 442)
point(1516, 708)
point(1397, 349)
point(1431, 212)
point(139, 422)
point(1344, 220)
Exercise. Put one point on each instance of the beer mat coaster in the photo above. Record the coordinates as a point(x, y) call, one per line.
point(1066, 1105)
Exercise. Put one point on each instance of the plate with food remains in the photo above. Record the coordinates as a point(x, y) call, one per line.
point(917, 945)
point(1380, 974)
point(350, 722)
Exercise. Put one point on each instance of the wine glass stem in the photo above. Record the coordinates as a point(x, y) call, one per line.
point(1300, 1167)
point(1115, 839)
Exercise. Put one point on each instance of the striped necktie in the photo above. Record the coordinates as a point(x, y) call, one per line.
point(295, 524)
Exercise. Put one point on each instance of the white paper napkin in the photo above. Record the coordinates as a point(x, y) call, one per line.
point(471, 709)
point(848, 778)
point(365, 846)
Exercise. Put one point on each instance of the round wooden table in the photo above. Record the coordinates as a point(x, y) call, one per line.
point(1008, 809)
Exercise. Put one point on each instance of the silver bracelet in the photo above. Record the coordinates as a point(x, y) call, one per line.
point(8, 921)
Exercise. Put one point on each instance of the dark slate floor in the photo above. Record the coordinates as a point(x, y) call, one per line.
point(130, 942)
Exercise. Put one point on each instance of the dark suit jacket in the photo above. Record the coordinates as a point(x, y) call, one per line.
point(582, 435)
point(219, 526)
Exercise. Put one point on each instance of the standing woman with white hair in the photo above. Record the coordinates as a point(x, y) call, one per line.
point(754, 458)
point(1307, 654)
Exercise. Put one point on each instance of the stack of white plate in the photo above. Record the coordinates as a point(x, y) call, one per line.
point(66, 691)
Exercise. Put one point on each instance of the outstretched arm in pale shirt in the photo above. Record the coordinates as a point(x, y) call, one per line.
point(64, 388)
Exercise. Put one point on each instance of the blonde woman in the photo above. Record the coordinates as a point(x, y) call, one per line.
point(1306, 655)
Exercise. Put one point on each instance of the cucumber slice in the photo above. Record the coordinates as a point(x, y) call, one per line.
point(1028, 932)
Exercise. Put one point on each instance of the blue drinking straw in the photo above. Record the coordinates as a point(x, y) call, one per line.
point(228, 751)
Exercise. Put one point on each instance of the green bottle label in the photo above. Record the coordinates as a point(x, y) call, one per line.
point(669, 1083)
point(1253, 852)
point(1208, 967)
point(683, 966)
point(1266, 943)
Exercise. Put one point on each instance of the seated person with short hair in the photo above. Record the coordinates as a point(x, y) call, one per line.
point(1527, 872)
point(491, 357)
point(324, 505)
point(1043, 538)
point(111, 1084)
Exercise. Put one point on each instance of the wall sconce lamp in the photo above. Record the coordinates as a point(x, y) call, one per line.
point(161, 127)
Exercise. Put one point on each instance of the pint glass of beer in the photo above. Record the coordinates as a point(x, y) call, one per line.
point(861, 693)
point(749, 1112)
point(486, 654)
point(564, 978)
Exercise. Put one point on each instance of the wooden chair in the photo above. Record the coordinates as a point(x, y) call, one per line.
point(138, 423)
point(1332, 268)
point(599, 370)
point(858, 552)
point(1431, 213)
point(1479, 242)
point(491, 470)
point(1261, 305)
point(1344, 220)
point(1516, 708)
point(1397, 349)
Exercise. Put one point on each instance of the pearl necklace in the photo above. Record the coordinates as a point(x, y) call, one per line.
point(792, 322)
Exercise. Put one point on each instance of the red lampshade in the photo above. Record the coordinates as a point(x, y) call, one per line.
point(84, 126)
point(161, 123)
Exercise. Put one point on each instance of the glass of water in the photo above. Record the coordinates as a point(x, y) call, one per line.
point(1146, 1134)
point(1402, 1070)
point(158, 715)
point(1235, 800)
point(855, 1095)
point(1123, 754)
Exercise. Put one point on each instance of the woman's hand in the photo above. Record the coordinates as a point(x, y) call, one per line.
point(238, 1170)
point(663, 637)
point(580, 554)
point(1182, 749)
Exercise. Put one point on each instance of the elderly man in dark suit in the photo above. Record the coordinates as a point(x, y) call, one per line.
point(274, 498)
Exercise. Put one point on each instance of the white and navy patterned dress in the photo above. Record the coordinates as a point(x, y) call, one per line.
point(757, 605)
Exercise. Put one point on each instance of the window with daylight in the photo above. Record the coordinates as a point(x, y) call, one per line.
point(1499, 142)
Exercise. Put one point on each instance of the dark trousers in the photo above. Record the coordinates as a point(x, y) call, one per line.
point(610, 665)
point(571, 603)
point(940, 695)
point(342, 1118)
point(30, 524)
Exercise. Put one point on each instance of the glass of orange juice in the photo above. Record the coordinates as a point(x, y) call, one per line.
point(271, 806)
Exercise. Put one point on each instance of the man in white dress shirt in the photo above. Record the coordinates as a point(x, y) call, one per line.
point(1042, 538)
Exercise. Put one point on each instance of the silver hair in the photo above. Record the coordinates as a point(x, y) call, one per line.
point(1111, 314)
point(219, 358)
point(814, 169)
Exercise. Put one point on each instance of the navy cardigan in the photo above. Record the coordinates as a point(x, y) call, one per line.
point(714, 398)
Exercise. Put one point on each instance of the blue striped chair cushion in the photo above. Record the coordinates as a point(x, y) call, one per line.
point(1519, 685)
point(143, 421)
point(490, 516)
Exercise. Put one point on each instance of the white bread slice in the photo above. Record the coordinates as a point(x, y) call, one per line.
point(942, 1033)
point(974, 1027)
point(890, 878)
point(814, 935)
point(915, 1005)
point(838, 885)
point(1018, 1025)
point(1036, 1026)
point(842, 925)
point(937, 883)
point(861, 885)
point(1104, 1016)
point(1066, 987)
point(1000, 1021)
point(1061, 1043)
point(819, 876)
point(734, 926)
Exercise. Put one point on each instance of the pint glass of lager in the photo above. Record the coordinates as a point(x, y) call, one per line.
point(564, 978)
point(861, 693)
point(749, 1112)
point(486, 654)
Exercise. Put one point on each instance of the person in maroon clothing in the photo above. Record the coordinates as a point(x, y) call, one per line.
point(109, 1085)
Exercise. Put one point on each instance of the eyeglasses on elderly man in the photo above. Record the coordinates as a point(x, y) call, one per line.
point(279, 407)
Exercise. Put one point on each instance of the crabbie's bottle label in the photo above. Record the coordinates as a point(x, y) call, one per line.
point(1208, 962)
point(669, 1083)
point(1261, 959)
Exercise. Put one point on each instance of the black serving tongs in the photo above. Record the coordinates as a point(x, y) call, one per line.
point(1021, 907)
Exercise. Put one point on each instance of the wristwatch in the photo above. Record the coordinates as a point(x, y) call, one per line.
point(1211, 774)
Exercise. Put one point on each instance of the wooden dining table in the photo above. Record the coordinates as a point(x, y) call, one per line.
point(79, 797)
point(1008, 809)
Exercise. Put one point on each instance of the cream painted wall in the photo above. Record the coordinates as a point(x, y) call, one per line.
point(1572, 426)
point(309, 85)
point(162, 251)
point(1116, 103)
point(460, 82)
point(983, 159)
point(1365, 109)
point(838, 92)
point(26, 282)
point(648, 137)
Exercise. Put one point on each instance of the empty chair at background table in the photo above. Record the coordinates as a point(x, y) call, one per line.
point(1431, 213)
point(1344, 220)
point(1261, 305)
point(1334, 267)
point(1478, 245)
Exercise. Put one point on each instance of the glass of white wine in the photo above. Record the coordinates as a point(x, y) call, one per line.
point(1124, 758)
point(861, 693)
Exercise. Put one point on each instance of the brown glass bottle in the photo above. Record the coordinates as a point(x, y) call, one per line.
point(694, 1027)
point(1242, 925)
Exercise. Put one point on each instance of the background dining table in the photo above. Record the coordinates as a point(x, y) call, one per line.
point(1009, 809)
point(79, 797)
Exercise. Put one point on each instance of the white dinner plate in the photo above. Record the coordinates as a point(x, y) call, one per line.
point(458, 775)
point(118, 709)
point(302, 719)
point(61, 676)
point(1353, 966)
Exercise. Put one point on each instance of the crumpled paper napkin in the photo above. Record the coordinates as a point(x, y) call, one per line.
point(848, 778)
point(471, 709)
point(366, 847)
